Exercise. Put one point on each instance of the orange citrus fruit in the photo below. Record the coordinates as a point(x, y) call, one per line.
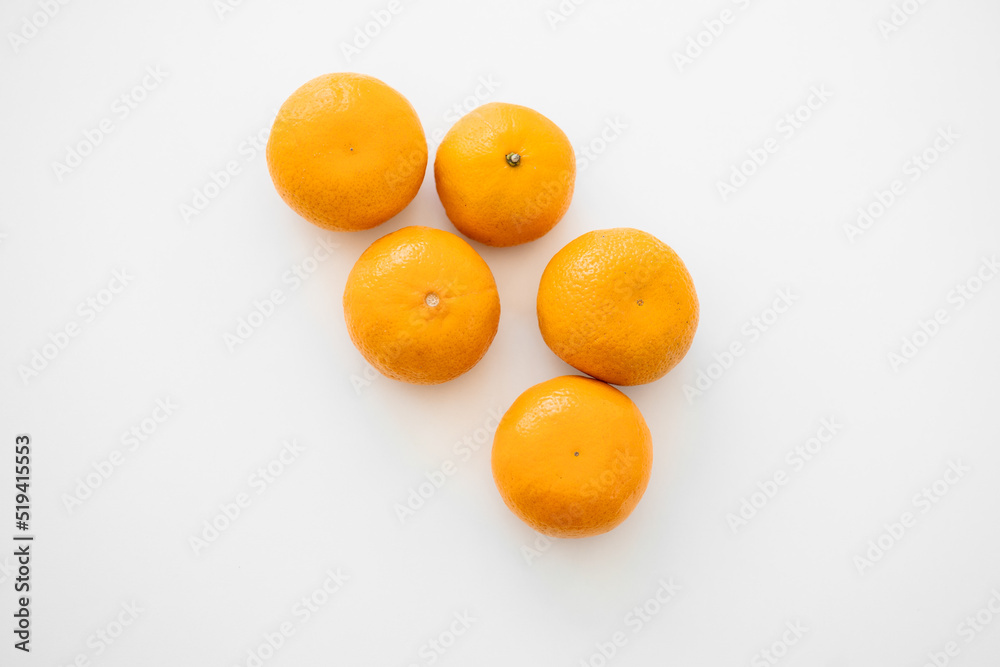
point(421, 305)
point(572, 457)
point(505, 174)
point(619, 305)
point(347, 152)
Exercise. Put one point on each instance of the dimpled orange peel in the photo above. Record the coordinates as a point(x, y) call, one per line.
point(347, 152)
point(421, 305)
point(619, 305)
point(572, 457)
point(505, 174)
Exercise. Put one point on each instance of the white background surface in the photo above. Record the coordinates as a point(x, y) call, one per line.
point(367, 444)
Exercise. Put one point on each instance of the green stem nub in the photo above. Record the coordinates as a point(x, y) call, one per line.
point(513, 159)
